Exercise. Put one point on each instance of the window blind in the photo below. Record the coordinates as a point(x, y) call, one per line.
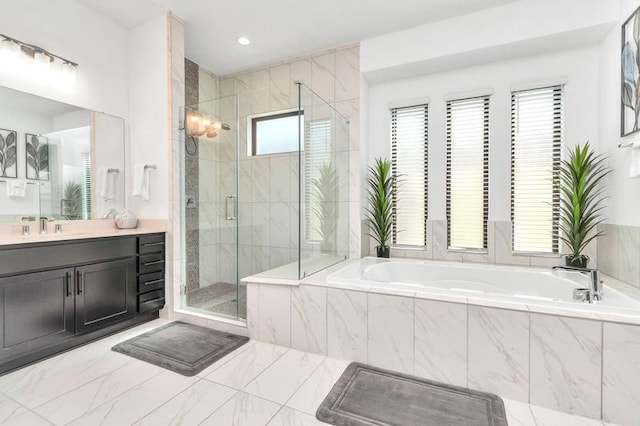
point(536, 149)
point(87, 201)
point(318, 167)
point(409, 164)
point(467, 173)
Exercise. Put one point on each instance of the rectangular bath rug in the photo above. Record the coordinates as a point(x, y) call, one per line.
point(182, 348)
point(366, 395)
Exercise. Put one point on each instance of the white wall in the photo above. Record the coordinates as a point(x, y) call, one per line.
point(149, 115)
point(579, 67)
point(68, 29)
point(513, 30)
point(623, 192)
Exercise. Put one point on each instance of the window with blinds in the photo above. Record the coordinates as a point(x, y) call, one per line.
point(321, 184)
point(536, 148)
point(409, 164)
point(467, 173)
point(87, 200)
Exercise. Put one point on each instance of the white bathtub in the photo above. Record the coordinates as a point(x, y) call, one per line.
point(527, 286)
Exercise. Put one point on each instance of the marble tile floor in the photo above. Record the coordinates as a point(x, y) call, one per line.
point(220, 298)
point(258, 384)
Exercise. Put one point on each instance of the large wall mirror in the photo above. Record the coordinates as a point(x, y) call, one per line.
point(58, 160)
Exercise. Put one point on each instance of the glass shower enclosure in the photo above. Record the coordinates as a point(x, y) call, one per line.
point(264, 192)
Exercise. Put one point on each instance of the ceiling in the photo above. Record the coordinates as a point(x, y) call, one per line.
point(280, 29)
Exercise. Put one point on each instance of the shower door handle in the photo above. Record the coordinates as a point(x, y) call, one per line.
point(230, 214)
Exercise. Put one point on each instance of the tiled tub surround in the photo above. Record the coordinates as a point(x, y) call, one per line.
point(619, 252)
point(573, 361)
point(499, 250)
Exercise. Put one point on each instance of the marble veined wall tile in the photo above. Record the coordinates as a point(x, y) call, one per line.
point(629, 254)
point(301, 71)
point(309, 319)
point(498, 354)
point(279, 179)
point(566, 356)
point(440, 243)
point(280, 86)
point(347, 325)
point(275, 314)
point(390, 332)
point(608, 249)
point(621, 374)
point(323, 76)
point(347, 74)
point(253, 310)
point(441, 341)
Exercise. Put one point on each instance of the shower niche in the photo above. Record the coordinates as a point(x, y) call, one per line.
point(264, 192)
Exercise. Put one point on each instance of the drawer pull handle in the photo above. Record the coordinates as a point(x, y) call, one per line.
point(155, 262)
point(80, 282)
point(68, 283)
point(154, 281)
point(161, 243)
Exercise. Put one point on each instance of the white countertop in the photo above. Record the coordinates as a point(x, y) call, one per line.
point(10, 234)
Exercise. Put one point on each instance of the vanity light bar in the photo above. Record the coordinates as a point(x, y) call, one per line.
point(36, 52)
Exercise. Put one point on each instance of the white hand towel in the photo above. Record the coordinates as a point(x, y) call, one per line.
point(103, 183)
point(141, 182)
point(107, 182)
point(16, 188)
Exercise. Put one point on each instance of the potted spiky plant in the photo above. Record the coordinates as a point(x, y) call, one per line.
point(380, 191)
point(581, 201)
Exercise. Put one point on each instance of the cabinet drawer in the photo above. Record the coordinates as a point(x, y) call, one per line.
point(153, 295)
point(150, 282)
point(151, 244)
point(151, 263)
point(151, 305)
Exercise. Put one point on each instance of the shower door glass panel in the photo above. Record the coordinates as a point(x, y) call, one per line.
point(210, 153)
point(324, 184)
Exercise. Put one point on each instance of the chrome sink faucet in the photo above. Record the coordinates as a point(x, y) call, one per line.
point(43, 224)
point(589, 294)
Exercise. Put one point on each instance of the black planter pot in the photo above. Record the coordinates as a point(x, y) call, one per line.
point(383, 252)
point(580, 262)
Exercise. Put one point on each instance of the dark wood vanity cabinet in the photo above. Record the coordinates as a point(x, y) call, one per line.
point(36, 311)
point(60, 294)
point(105, 293)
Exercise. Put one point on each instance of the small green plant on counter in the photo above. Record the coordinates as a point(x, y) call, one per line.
point(582, 199)
point(381, 187)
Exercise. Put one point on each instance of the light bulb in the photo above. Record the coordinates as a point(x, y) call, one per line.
point(243, 41)
point(68, 73)
point(10, 56)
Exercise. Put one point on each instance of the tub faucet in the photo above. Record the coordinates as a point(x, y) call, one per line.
point(590, 294)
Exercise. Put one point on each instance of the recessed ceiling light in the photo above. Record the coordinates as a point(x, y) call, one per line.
point(243, 41)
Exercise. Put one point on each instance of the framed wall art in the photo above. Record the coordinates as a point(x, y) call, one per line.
point(8, 153)
point(630, 98)
point(37, 157)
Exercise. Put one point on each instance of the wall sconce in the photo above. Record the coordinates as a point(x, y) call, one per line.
point(199, 125)
point(17, 57)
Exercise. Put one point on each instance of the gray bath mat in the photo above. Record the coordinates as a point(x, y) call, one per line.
point(367, 395)
point(182, 348)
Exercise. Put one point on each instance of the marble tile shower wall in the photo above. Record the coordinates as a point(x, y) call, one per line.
point(580, 366)
point(499, 248)
point(268, 184)
point(191, 183)
point(619, 252)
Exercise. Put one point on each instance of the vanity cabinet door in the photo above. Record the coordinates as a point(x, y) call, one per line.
point(36, 311)
point(105, 294)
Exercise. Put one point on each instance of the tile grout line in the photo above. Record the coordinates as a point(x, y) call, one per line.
point(303, 383)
